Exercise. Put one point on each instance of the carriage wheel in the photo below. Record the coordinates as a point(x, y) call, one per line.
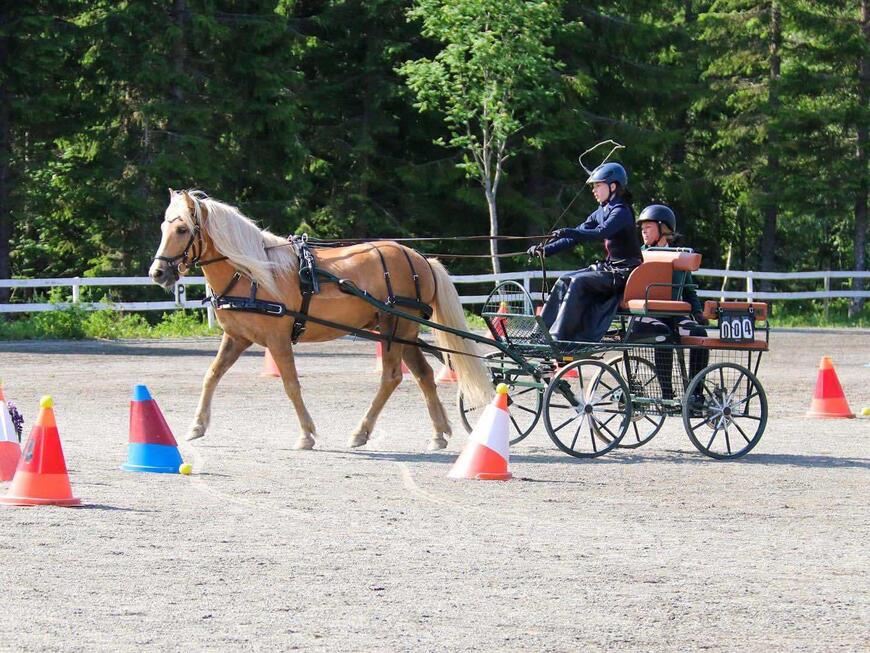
point(642, 381)
point(524, 403)
point(725, 411)
point(579, 408)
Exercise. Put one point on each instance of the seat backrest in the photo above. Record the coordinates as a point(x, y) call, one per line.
point(681, 260)
point(648, 273)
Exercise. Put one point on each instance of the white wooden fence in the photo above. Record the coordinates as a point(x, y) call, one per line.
point(180, 299)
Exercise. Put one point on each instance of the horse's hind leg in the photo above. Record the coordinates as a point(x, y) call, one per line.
point(230, 349)
point(282, 352)
point(422, 371)
point(391, 377)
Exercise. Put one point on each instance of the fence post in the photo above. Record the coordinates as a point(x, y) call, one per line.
point(209, 310)
point(827, 292)
point(527, 284)
point(75, 290)
point(749, 287)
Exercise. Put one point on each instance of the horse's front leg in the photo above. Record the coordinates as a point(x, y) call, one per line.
point(230, 349)
point(282, 352)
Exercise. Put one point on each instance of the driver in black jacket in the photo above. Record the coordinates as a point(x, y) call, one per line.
point(582, 304)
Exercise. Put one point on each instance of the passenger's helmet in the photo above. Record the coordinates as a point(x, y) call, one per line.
point(661, 214)
point(609, 173)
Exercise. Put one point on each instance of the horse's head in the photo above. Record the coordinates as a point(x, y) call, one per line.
point(181, 244)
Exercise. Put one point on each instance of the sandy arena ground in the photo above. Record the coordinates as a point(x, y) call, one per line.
point(265, 548)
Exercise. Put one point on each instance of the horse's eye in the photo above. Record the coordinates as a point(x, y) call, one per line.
point(181, 230)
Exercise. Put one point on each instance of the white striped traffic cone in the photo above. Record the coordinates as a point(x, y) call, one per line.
point(10, 450)
point(486, 455)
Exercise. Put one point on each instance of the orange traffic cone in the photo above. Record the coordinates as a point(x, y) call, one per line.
point(269, 366)
point(828, 398)
point(447, 374)
point(499, 324)
point(379, 359)
point(41, 477)
point(486, 456)
point(10, 450)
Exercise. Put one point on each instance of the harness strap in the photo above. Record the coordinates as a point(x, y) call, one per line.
point(391, 298)
point(307, 283)
point(276, 309)
point(434, 278)
point(299, 322)
point(231, 284)
point(417, 303)
point(414, 274)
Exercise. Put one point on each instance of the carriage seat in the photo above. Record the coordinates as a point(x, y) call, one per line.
point(649, 289)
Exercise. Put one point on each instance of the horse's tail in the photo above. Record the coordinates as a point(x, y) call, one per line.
point(474, 379)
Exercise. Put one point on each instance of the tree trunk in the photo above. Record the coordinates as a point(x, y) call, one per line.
point(5, 162)
point(361, 226)
point(179, 15)
point(771, 207)
point(861, 224)
point(493, 227)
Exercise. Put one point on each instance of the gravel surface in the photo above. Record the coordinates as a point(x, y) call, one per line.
point(267, 548)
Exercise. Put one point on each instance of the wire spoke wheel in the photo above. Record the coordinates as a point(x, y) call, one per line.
point(586, 415)
point(524, 402)
point(725, 411)
point(642, 380)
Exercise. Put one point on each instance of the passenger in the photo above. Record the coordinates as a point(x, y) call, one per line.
point(658, 227)
point(583, 303)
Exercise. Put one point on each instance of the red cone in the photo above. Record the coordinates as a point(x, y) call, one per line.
point(269, 366)
point(41, 477)
point(828, 398)
point(379, 359)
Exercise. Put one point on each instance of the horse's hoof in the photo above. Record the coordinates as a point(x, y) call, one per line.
point(304, 443)
point(358, 440)
point(195, 433)
point(437, 444)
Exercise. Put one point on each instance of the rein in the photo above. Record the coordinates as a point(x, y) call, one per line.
point(346, 242)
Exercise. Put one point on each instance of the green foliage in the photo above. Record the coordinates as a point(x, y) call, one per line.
point(494, 76)
point(75, 323)
point(358, 118)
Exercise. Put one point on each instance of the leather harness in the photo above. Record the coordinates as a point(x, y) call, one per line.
point(309, 285)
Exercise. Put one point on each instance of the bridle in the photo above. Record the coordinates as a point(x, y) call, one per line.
point(192, 253)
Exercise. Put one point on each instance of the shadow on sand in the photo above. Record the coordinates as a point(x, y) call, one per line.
point(619, 458)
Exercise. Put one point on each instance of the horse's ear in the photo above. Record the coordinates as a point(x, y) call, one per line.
point(189, 200)
point(171, 193)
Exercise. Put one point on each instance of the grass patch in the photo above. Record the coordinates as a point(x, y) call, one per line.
point(76, 324)
point(797, 313)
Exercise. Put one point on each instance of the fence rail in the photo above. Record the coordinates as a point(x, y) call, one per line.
point(525, 278)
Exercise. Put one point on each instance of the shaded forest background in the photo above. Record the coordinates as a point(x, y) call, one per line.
point(749, 118)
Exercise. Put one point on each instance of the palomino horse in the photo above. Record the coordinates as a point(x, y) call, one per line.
point(225, 242)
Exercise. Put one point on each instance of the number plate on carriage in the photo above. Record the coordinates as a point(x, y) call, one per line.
point(737, 326)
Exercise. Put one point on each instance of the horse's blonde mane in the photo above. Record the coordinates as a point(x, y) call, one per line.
point(240, 239)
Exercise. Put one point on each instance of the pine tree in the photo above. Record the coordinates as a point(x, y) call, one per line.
point(37, 43)
point(743, 67)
